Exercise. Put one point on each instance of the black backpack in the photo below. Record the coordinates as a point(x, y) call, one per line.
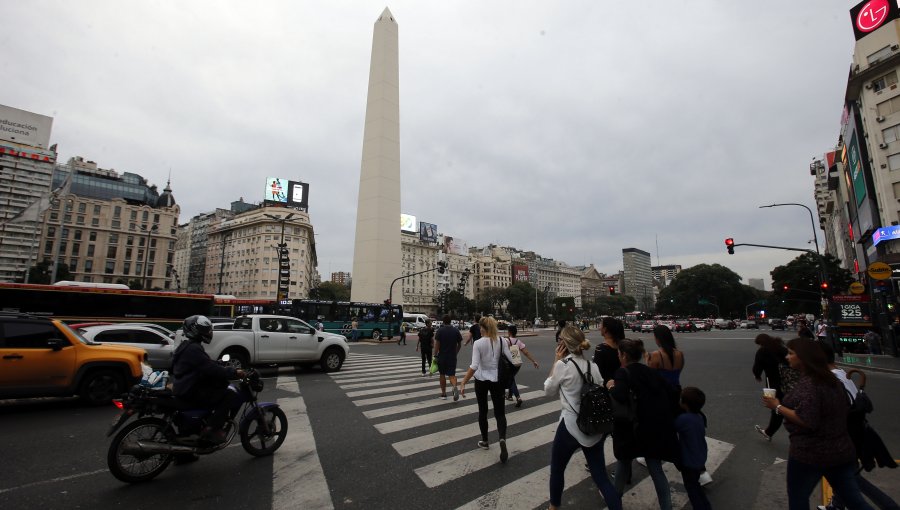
point(595, 415)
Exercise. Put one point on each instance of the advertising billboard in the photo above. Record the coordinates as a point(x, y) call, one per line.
point(856, 171)
point(520, 273)
point(24, 127)
point(408, 223)
point(870, 15)
point(427, 232)
point(292, 193)
point(455, 246)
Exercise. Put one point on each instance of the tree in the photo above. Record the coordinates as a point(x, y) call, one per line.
point(331, 291)
point(697, 290)
point(617, 305)
point(796, 284)
point(40, 272)
point(490, 300)
point(458, 305)
point(520, 300)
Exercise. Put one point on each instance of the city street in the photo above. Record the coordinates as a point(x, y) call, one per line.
point(375, 435)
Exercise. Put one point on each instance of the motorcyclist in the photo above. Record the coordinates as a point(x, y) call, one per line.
point(199, 380)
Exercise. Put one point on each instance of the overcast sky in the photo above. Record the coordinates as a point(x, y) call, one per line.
point(573, 129)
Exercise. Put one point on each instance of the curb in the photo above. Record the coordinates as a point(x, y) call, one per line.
point(870, 368)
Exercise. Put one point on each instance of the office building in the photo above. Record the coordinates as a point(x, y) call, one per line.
point(665, 274)
point(638, 278)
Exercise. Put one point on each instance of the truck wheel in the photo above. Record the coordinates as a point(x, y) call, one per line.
point(332, 359)
point(239, 359)
point(99, 387)
point(376, 334)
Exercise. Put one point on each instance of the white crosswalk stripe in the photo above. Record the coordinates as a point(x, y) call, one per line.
point(392, 387)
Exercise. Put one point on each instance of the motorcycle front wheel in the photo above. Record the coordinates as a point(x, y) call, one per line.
point(254, 437)
point(132, 467)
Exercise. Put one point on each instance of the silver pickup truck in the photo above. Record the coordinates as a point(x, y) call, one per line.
point(278, 340)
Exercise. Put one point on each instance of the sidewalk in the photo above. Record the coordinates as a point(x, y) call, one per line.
point(871, 363)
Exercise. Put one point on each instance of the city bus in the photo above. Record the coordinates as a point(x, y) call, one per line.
point(374, 320)
point(230, 306)
point(633, 320)
point(71, 303)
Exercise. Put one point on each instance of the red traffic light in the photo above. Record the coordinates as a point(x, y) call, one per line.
point(729, 243)
point(786, 288)
point(825, 285)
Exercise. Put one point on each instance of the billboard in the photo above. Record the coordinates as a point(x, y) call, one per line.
point(520, 273)
point(283, 191)
point(856, 171)
point(870, 15)
point(408, 223)
point(455, 246)
point(428, 232)
point(24, 127)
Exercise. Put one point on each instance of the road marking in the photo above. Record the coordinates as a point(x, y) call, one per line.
point(458, 409)
point(470, 431)
point(298, 480)
point(54, 480)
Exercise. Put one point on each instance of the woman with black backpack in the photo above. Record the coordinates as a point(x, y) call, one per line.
point(566, 380)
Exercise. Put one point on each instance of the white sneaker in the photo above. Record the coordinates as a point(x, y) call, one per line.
point(642, 461)
point(705, 478)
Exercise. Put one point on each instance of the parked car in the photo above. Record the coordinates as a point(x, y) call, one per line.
point(42, 357)
point(159, 345)
point(777, 324)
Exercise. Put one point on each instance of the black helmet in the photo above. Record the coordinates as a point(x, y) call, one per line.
point(198, 327)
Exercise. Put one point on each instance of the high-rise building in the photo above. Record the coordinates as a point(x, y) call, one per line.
point(376, 251)
point(756, 283)
point(638, 278)
point(665, 274)
point(110, 227)
point(26, 169)
point(340, 277)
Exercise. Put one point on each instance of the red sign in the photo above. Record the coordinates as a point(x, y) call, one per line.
point(850, 298)
point(869, 15)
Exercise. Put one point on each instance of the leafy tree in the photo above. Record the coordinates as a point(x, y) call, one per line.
point(331, 291)
point(458, 305)
point(40, 272)
point(617, 305)
point(715, 284)
point(520, 300)
point(490, 300)
point(796, 284)
point(135, 284)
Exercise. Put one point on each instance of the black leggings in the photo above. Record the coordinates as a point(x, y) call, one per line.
point(482, 388)
point(426, 361)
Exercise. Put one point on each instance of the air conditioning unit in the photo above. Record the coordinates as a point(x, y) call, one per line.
point(882, 146)
point(895, 47)
point(868, 85)
point(880, 118)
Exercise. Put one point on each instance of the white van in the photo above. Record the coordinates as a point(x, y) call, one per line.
point(416, 321)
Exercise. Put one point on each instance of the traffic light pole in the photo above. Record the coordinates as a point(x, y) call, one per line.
point(442, 266)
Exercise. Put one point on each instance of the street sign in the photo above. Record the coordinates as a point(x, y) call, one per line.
point(879, 271)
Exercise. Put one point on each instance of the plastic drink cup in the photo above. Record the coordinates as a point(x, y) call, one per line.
point(769, 392)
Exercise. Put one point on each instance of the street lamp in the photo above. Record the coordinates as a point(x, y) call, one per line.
point(823, 277)
point(149, 231)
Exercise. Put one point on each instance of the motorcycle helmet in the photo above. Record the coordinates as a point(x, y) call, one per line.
point(198, 327)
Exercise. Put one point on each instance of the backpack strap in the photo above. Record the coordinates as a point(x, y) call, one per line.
point(589, 379)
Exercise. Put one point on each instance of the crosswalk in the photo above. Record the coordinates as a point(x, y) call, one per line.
point(403, 406)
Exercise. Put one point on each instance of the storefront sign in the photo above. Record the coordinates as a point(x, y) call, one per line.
point(879, 271)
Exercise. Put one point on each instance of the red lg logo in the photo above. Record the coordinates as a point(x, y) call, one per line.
point(872, 15)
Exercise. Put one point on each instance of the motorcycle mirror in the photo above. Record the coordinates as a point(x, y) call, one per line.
point(226, 358)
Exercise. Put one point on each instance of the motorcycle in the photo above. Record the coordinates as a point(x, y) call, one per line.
point(167, 427)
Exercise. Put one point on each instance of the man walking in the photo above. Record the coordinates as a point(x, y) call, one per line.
point(426, 335)
point(474, 331)
point(447, 343)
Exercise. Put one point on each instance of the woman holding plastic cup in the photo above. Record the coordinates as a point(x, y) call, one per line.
point(815, 414)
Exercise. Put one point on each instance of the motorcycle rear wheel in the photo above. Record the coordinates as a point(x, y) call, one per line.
point(255, 441)
point(138, 468)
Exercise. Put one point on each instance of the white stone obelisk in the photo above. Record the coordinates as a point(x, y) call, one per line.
point(376, 252)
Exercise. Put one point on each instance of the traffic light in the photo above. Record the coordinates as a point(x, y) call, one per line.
point(612, 290)
point(824, 285)
point(786, 287)
point(729, 243)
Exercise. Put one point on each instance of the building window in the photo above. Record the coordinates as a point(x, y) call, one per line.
point(127, 253)
point(153, 255)
point(888, 107)
point(883, 82)
point(132, 227)
point(894, 161)
point(129, 241)
point(116, 224)
point(73, 264)
point(88, 266)
point(96, 209)
point(110, 267)
point(114, 239)
point(79, 220)
point(67, 218)
point(92, 236)
point(138, 267)
point(153, 242)
point(54, 216)
point(90, 250)
point(133, 215)
point(878, 55)
point(95, 222)
point(117, 211)
point(127, 267)
point(111, 252)
point(145, 216)
point(76, 247)
point(156, 218)
point(82, 208)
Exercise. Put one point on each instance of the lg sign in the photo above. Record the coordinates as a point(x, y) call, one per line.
point(872, 14)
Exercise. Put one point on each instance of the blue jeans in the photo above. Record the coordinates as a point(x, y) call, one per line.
point(660, 482)
point(513, 389)
point(564, 445)
point(354, 335)
point(802, 478)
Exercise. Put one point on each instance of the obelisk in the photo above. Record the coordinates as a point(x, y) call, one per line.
point(376, 252)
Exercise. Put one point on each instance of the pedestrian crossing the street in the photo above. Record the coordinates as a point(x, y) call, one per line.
point(402, 405)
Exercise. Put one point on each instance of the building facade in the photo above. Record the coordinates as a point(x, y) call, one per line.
point(340, 277)
point(638, 278)
point(665, 274)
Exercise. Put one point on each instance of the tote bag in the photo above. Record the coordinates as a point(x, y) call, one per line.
point(514, 352)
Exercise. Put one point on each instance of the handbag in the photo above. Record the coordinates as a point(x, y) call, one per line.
point(515, 353)
point(434, 365)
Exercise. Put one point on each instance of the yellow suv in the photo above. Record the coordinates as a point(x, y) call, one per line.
point(41, 357)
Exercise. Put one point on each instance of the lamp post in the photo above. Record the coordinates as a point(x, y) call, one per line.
point(149, 231)
point(284, 282)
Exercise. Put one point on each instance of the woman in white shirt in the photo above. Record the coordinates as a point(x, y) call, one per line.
point(486, 354)
point(565, 381)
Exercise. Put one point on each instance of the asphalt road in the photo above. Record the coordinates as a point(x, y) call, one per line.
point(375, 436)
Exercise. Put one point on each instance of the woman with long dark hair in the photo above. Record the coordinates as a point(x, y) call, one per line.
point(770, 355)
point(815, 414)
point(606, 355)
point(667, 360)
point(486, 354)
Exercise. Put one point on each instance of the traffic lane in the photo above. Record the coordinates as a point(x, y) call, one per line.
point(54, 470)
